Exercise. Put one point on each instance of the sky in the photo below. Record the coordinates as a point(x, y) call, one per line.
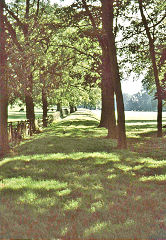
point(63, 3)
point(131, 87)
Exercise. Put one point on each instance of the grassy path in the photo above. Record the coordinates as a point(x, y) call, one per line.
point(69, 182)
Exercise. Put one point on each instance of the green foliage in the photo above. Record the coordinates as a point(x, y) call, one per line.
point(60, 60)
point(133, 44)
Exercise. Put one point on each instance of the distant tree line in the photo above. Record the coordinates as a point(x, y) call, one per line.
point(140, 101)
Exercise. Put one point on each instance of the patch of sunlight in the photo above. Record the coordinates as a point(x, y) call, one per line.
point(98, 196)
point(97, 187)
point(50, 145)
point(18, 183)
point(95, 228)
point(138, 167)
point(123, 167)
point(28, 197)
point(48, 184)
point(112, 176)
point(10, 159)
point(137, 198)
point(156, 164)
point(63, 192)
point(96, 206)
point(113, 157)
point(72, 204)
point(111, 170)
point(153, 178)
point(62, 156)
point(146, 160)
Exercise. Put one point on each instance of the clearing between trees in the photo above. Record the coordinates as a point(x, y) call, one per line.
point(70, 182)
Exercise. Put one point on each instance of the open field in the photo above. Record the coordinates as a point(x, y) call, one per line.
point(70, 182)
point(19, 116)
point(138, 116)
point(16, 115)
point(151, 117)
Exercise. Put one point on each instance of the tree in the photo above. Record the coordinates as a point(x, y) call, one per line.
point(155, 68)
point(143, 42)
point(22, 40)
point(3, 86)
point(108, 109)
point(92, 14)
point(107, 18)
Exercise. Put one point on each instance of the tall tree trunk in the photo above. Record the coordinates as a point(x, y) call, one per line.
point(108, 119)
point(155, 70)
point(45, 106)
point(59, 107)
point(30, 107)
point(107, 18)
point(103, 119)
point(4, 147)
point(72, 109)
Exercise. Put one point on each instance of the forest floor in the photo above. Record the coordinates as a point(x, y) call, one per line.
point(70, 182)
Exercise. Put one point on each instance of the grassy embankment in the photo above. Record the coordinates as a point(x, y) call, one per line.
point(69, 182)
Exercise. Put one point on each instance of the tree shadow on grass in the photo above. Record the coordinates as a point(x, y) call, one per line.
point(69, 136)
point(80, 196)
point(70, 183)
point(147, 144)
point(78, 122)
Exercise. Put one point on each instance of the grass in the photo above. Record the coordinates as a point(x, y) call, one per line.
point(70, 182)
point(15, 115)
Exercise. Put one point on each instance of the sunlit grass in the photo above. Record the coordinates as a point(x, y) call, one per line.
point(71, 182)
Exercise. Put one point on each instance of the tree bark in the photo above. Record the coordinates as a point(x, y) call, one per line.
point(107, 18)
point(108, 119)
point(108, 111)
point(45, 106)
point(155, 70)
point(59, 107)
point(4, 146)
point(30, 107)
point(72, 108)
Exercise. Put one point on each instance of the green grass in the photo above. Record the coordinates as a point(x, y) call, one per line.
point(15, 115)
point(70, 182)
point(20, 116)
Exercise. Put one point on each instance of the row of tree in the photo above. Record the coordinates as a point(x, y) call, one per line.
point(141, 101)
point(70, 55)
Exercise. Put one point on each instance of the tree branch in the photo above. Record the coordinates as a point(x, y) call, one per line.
point(74, 48)
point(12, 33)
point(89, 14)
point(20, 24)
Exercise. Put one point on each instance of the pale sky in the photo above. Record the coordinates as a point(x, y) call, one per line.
point(131, 87)
point(64, 2)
